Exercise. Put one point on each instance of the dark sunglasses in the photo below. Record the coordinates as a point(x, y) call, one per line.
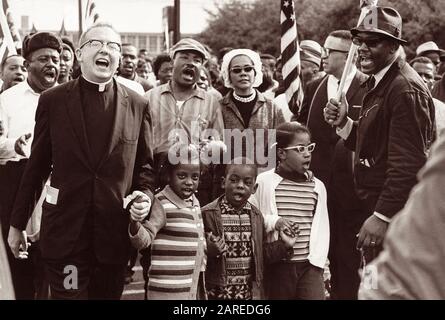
point(370, 42)
point(238, 70)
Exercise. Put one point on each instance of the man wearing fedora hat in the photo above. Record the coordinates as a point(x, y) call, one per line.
point(395, 129)
point(430, 50)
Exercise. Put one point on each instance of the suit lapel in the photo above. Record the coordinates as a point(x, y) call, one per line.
point(119, 120)
point(75, 114)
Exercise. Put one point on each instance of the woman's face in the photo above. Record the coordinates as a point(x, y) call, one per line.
point(203, 81)
point(241, 73)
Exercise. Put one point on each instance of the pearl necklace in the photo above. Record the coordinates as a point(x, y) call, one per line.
point(244, 99)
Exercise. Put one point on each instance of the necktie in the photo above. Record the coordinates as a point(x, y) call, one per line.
point(370, 83)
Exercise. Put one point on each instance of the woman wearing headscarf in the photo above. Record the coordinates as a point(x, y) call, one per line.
point(244, 107)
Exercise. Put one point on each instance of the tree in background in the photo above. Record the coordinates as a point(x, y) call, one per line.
point(255, 24)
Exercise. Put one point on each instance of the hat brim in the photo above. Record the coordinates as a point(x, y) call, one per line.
point(354, 32)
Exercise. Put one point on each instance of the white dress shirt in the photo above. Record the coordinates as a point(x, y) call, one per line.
point(18, 107)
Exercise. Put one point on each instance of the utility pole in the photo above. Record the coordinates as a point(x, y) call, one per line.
point(80, 17)
point(177, 32)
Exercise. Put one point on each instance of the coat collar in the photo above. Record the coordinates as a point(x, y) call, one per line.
point(177, 201)
point(227, 102)
point(196, 92)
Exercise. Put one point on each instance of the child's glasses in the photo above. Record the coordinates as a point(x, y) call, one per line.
point(300, 149)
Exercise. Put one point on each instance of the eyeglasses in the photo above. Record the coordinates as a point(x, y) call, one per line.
point(98, 44)
point(325, 52)
point(370, 42)
point(301, 149)
point(238, 70)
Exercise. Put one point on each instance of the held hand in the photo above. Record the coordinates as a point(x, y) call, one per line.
point(335, 112)
point(18, 244)
point(289, 241)
point(20, 144)
point(140, 208)
point(216, 245)
point(285, 225)
point(372, 232)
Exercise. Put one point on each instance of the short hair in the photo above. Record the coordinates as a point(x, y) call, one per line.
point(342, 34)
point(181, 153)
point(3, 64)
point(94, 26)
point(421, 59)
point(159, 60)
point(241, 161)
point(286, 132)
point(267, 56)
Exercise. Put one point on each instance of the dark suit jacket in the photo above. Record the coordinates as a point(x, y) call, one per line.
point(322, 133)
point(60, 147)
point(392, 138)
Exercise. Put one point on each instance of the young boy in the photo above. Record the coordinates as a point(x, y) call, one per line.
point(178, 249)
point(234, 231)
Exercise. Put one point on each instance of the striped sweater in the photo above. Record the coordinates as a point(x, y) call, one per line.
point(178, 250)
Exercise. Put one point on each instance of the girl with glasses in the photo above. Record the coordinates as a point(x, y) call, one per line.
point(289, 196)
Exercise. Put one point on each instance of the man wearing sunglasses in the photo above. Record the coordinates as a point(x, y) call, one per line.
point(396, 127)
point(94, 136)
point(332, 162)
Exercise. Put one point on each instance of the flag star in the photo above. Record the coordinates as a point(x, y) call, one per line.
point(286, 3)
point(292, 16)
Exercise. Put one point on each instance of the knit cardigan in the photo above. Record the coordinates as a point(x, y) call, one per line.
point(264, 199)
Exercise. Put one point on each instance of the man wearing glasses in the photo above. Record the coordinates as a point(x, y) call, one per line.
point(332, 162)
point(94, 136)
point(395, 130)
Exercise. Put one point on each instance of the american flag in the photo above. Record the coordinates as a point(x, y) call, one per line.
point(290, 56)
point(91, 14)
point(9, 36)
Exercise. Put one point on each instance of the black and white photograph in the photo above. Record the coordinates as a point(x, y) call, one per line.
point(222, 154)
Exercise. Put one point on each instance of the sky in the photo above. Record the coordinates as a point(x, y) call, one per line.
point(125, 15)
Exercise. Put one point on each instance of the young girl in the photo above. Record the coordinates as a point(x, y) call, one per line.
point(178, 249)
point(291, 194)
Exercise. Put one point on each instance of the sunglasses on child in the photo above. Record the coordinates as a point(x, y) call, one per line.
point(301, 149)
point(238, 70)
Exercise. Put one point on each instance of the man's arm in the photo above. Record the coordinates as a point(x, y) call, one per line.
point(6, 144)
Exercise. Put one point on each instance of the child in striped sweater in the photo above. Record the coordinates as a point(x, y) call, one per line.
point(178, 250)
point(290, 194)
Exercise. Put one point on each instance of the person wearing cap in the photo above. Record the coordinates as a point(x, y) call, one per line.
point(67, 58)
point(18, 107)
point(179, 107)
point(94, 136)
point(395, 130)
point(332, 161)
point(430, 50)
point(311, 52)
point(12, 71)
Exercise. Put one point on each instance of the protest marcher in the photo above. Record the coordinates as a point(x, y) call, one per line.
point(67, 61)
point(183, 111)
point(269, 85)
point(205, 82)
point(289, 194)
point(178, 246)
point(94, 136)
point(332, 162)
point(411, 263)
point(430, 50)
point(163, 68)
point(311, 52)
point(235, 234)
point(426, 70)
point(395, 130)
point(12, 71)
point(18, 110)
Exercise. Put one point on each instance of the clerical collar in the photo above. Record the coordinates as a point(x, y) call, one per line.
point(96, 86)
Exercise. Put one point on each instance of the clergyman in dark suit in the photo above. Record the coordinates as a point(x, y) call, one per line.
point(332, 162)
point(94, 136)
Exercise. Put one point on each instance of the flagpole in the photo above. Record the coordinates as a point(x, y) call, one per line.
point(7, 33)
point(80, 17)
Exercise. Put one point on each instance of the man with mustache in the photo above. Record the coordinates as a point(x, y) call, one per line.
point(395, 129)
point(127, 70)
point(17, 111)
point(94, 136)
point(180, 104)
point(12, 71)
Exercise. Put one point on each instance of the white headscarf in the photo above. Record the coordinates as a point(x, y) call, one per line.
point(255, 57)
